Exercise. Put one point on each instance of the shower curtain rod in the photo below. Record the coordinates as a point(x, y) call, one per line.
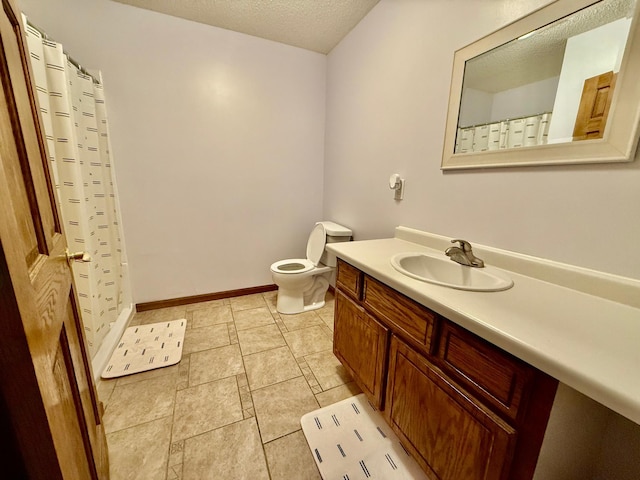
point(73, 62)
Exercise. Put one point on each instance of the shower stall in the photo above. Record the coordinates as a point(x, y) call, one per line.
point(74, 122)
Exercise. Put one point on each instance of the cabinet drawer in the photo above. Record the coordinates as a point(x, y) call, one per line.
point(349, 279)
point(493, 374)
point(401, 313)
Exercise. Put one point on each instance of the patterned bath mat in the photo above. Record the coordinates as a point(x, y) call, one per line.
point(145, 347)
point(350, 440)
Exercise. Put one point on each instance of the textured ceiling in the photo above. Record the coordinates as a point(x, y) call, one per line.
point(316, 25)
point(539, 56)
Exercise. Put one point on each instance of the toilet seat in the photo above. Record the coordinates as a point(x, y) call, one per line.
point(315, 249)
point(292, 266)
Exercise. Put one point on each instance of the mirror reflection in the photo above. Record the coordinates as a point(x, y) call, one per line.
point(551, 85)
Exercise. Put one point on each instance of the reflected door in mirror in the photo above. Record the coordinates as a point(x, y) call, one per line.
point(594, 106)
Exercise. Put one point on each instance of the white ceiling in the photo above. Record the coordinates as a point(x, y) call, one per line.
point(316, 25)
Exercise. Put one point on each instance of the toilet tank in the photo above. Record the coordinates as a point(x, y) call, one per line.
point(335, 233)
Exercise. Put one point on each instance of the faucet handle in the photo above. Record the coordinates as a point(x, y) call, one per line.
point(464, 245)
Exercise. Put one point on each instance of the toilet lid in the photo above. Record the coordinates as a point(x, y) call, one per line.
point(316, 243)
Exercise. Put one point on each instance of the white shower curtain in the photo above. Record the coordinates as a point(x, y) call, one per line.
point(75, 124)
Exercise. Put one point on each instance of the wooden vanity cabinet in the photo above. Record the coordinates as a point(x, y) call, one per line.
point(464, 408)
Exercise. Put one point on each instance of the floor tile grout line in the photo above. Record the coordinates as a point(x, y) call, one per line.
point(244, 370)
point(146, 422)
point(276, 383)
point(255, 415)
point(173, 414)
point(246, 378)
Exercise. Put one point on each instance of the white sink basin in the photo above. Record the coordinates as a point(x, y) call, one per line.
point(445, 272)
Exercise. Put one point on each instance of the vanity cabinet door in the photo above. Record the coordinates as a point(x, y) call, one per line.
point(452, 436)
point(360, 343)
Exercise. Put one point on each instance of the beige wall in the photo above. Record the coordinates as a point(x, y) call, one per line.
point(218, 140)
point(387, 91)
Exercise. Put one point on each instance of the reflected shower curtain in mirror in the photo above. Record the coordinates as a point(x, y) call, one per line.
point(75, 124)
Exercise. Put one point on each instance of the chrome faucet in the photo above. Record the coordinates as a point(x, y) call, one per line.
point(463, 254)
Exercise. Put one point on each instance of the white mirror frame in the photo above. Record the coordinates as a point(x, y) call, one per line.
point(620, 139)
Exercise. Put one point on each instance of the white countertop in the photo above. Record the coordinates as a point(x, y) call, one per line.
point(588, 342)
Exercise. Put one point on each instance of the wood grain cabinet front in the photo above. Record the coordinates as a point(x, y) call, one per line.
point(451, 436)
point(349, 279)
point(413, 321)
point(360, 343)
point(498, 378)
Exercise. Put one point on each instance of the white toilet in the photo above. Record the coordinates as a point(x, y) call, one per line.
point(303, 282)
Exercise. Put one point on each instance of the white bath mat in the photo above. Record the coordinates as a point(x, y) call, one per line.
point(145, 347)
point(350, 440)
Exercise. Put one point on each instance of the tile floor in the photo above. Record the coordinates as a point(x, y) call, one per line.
point(231, 408)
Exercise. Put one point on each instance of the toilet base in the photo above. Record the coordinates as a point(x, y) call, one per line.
point(288, 304)
point(287, 309)
point(291, 301)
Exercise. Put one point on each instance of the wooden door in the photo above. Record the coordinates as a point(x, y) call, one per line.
point(452, 436)
point(594, 106)
point(360, 343)
point(50, 415)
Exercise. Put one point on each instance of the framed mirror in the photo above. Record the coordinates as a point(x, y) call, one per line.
point(558, 86)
